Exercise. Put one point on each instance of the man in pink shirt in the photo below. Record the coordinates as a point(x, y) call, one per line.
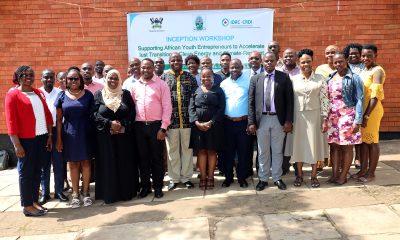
point(87, 71)
point(153, 107)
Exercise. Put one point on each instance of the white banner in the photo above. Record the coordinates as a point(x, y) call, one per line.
point(203, 33)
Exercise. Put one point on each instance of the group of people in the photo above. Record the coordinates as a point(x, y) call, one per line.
point(125, 132)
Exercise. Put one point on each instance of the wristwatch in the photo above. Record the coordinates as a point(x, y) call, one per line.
point(163, 130)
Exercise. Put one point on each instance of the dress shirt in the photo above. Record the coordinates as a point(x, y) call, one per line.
point(102, 80)
point(94, 87)
point(236, 96)
point(152, 101)
point(295, 71)
point(251, 72)
point(272, 96)
point(128, 83)
point(50, 99)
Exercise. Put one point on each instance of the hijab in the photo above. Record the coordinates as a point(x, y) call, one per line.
point(112, 97)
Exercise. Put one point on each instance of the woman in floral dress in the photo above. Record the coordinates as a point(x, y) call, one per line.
point(345, 93)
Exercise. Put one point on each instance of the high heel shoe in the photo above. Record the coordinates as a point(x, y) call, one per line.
point(38, 213)
point(210, 183)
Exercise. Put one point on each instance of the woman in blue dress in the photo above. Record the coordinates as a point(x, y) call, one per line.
point(74, 131)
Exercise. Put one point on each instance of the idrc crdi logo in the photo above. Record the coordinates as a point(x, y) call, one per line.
point(237, 23)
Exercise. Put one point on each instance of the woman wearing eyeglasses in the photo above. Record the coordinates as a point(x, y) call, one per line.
point(74, 128)
point(29, 124)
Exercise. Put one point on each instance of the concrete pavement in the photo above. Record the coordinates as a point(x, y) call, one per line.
point(352, 211)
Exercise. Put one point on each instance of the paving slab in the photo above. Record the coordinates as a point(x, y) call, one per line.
point(10, 190)
point(61, 236)
point(376, 237)
point(300, 225)
point(181, 194)
point(386, 177)
point(7, 202)
point(233, 190)
point(365, 220)
point(197, 228)
point(384, 194)
point(391, 160)
point(243, 227)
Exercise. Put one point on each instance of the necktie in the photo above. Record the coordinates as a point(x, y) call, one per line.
point(254, 73)
point(267, 95)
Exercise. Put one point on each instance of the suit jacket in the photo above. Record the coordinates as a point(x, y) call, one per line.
point(284, 100)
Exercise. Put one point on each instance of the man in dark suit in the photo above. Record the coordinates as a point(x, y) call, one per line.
point(270, 118)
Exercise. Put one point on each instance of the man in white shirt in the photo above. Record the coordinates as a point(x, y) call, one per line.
point(98, 72)
point(134, 71)
point(55, 157)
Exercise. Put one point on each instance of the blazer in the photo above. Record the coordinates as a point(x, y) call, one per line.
point(20, 117)
point(284, 100)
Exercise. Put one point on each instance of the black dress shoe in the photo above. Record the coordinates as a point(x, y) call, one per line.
point(158, 193)
point(44, 198)
point(243, 183)
point(227, 183)
point(38, 213)
point(144, 192)
point(189, 184)
point(61, 197)
point(261, 185)
point(172, 186)
point(280, 184)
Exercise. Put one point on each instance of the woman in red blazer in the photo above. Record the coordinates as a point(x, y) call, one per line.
point(29, 124)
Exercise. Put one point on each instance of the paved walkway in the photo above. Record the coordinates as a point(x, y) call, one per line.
point(351, 211)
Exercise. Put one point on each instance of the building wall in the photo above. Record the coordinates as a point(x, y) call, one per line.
point(59, 34)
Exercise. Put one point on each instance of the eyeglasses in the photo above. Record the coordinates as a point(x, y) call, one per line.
point(255, 58)
point(73, 78)
point(27, 75)
point(113, 78)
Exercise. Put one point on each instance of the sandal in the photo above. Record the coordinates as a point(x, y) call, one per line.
point(87, 201)
point(202, 184)
point(298, 181)
point(75, 202)
point(314, 182)
point(210, 183)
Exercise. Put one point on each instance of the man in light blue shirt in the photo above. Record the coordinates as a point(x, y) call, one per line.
point(236, 89)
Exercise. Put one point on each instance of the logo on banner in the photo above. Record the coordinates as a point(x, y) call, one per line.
point(238, 23)
point(225, 22)
point(199, 24)
point(156, 23)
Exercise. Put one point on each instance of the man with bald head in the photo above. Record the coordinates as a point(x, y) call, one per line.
point(328, 68)
point(290, 63)
point(236, 90)
point(87, 71)
point(206, 63)
point(275, 48)
point(292, 69)
point(180, 158)
point(255, 60)
point(271, 106)
point(134, 72)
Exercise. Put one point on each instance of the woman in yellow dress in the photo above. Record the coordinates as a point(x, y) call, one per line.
point(373, 77)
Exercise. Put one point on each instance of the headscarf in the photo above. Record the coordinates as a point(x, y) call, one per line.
point(112, 97)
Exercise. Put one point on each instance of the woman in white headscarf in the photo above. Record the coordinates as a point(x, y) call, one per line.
point(116, 167)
